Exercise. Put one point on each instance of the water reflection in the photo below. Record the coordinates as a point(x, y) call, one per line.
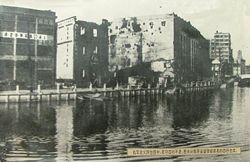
point(64, 132)
point(103, 130)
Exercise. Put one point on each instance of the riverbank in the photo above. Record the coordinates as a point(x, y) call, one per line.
point(72, 93)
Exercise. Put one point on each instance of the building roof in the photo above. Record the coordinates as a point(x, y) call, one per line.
point(159, 59)
point(27, 11)
point(215, 61)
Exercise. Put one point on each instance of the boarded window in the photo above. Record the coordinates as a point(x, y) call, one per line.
point(51, 22)
point(46, 21)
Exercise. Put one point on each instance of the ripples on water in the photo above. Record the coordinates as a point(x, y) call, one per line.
point(93, 130)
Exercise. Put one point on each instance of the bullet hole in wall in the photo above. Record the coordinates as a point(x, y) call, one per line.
point(128, 45)
point(151, 24)
point(163, 23)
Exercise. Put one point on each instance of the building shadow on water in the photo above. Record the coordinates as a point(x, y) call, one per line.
point(101, 129)
point(190, 110)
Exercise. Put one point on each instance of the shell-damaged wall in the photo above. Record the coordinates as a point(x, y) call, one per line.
point(140, 39)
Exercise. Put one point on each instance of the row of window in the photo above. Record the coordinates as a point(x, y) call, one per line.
point(24, 35)
point(82, 31)
point(214, 44)
point(221, 36)
point(151, 24)
point(45, 21)
point(84, 50)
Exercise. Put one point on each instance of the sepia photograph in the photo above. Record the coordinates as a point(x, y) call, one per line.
point(124, 81)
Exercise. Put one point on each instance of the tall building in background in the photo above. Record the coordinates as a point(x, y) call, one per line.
point(220, 47)
point(220, 50)
point(82, 52)
point(240, 62)
point(27, 45)
point(169, 38)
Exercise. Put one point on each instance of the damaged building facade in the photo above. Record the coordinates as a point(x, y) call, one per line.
point(82, 52)
point(162, 39)
point(27, 52)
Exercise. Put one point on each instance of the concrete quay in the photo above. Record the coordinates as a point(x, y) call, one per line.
point(72, 93)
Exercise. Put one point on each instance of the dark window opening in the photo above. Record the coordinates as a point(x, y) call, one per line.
point(124, 23)
point(127, 45)
point(136, 27)
point(163, 23)
point(112, 39)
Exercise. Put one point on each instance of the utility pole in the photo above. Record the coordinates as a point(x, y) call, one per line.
point(140, 49)
point(221, 73)
point(29, 58)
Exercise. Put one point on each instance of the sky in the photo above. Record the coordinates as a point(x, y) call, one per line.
point(207, 16)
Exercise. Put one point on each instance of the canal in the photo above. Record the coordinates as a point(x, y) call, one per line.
point(94, 130)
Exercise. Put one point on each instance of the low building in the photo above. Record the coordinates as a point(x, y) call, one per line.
point(216, 69)
point(169, 37)
point(241, 62)
point(82, 52)
point(27, 45)
point(247, 69)
point(236, 69)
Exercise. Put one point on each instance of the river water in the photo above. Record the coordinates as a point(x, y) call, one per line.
point(102, 131)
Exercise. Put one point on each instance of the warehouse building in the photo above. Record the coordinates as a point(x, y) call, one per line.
point(82, 52)
point(167, 37)
point(27, 45)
